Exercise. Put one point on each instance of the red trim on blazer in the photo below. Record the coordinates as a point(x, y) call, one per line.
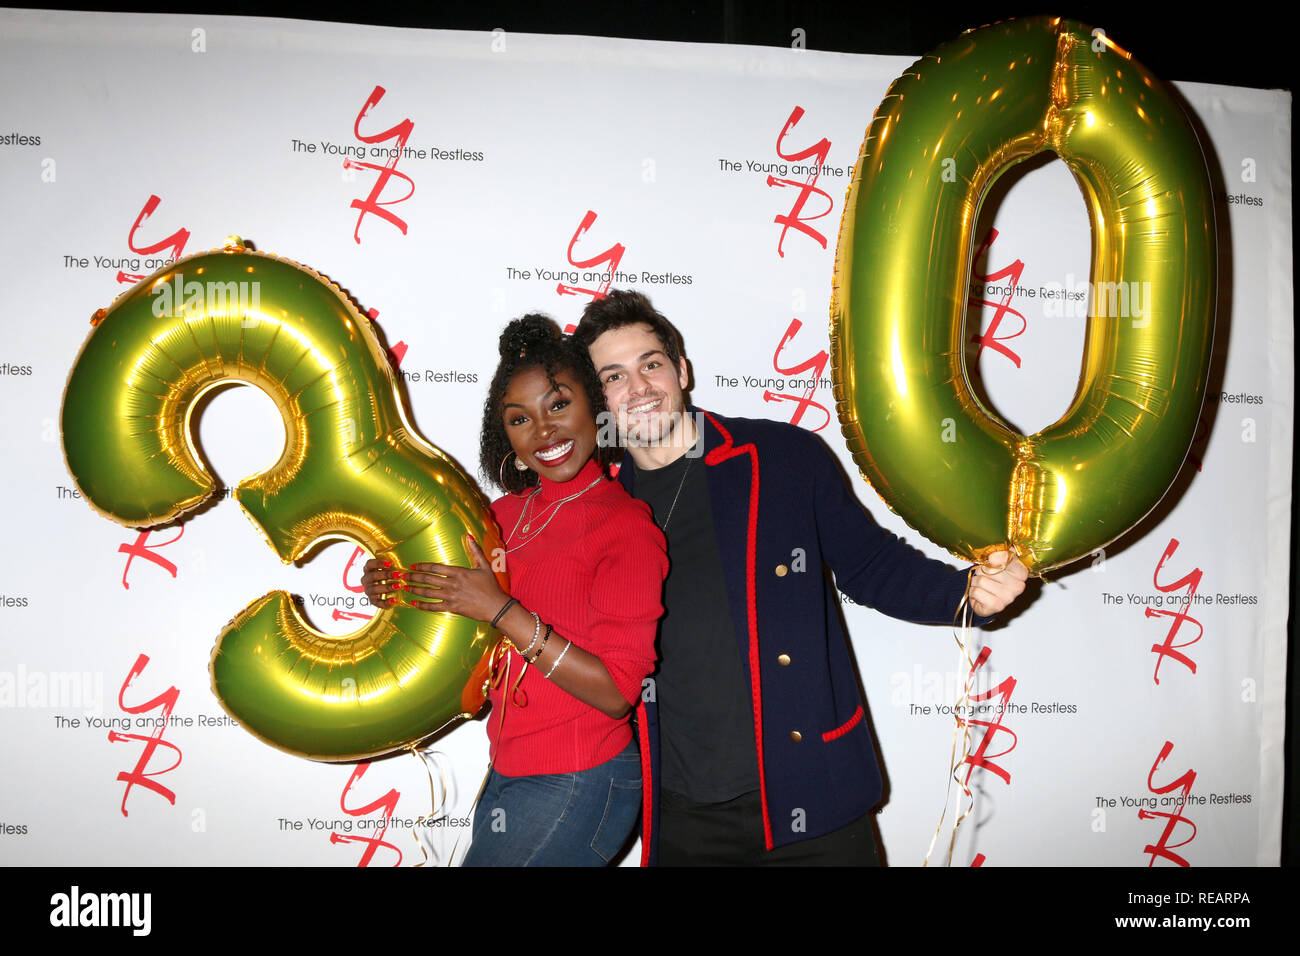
point(716, 457)
point(647, 785)
point(843, 728)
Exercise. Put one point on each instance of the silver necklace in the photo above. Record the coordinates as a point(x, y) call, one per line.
point(554, 511)
point(680, 485)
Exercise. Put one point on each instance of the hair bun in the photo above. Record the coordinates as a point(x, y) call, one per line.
point(526, 333)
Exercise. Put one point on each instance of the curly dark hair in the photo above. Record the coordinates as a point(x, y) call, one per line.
point(533, 341)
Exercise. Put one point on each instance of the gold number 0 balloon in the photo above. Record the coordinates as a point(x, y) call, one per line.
point(945, 131)
point(351, 467)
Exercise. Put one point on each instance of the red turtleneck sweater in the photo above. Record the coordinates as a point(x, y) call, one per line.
point(595, 573)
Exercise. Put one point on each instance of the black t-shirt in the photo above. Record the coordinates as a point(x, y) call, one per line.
point(706, 721)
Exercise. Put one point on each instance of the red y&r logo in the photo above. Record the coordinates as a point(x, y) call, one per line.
point(1002, 307)
point(141, 775)
point(1191, 581)
point(613, 255)
point(138, 549)
point(795, 219)
point(387, 803)
point(175, 242)
point(358, 554)
point(981, 757)
point(1163, 848)
point(815, 368)
point(372, 204)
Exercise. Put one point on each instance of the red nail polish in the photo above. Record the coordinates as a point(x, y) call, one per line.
point(388, 564)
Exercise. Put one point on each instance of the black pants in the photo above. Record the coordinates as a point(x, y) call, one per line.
point(731, 834)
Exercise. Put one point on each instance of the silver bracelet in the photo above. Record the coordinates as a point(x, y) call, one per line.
point(556, 663)
point(537, 630)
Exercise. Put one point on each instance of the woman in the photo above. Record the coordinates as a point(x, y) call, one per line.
point(586, 565)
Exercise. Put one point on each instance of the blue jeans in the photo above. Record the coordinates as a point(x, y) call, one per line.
point(558, 819)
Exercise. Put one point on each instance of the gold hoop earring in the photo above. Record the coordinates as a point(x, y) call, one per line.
point(501, 478)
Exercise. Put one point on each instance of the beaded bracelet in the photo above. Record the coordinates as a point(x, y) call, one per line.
point(541, 649)
point(537, 629)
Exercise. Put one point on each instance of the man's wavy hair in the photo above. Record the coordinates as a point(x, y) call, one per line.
point(623, 307)
point(533, 341)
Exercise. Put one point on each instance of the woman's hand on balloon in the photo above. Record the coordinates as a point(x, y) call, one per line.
point(470, 592)
point(380, 579)
point(996, 583)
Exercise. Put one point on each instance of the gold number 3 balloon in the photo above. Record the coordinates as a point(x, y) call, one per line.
point(352, 467)
point(947, 128)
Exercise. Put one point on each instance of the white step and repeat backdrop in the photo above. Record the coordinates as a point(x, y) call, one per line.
point(526, 168)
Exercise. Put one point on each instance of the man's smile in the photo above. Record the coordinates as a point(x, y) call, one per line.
point(647, 405)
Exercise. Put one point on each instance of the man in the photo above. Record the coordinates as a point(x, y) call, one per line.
point(753, 727)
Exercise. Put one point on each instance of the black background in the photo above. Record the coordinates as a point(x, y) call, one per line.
point(1234, 44)
point(1241, 44)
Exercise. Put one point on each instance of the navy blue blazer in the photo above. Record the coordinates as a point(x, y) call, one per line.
point(783, 513)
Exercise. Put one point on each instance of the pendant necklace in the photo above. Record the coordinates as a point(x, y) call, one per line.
point(680, 485)
point(555, 509)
